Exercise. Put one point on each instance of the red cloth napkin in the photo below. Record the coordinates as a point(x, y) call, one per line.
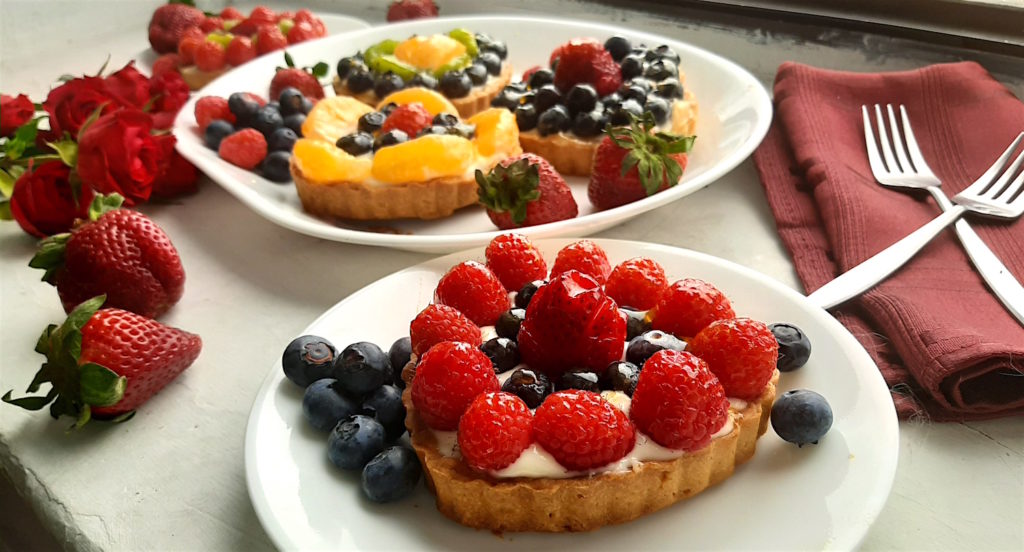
point(945, 345)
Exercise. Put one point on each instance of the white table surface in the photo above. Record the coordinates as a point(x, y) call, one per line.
point(173, 477)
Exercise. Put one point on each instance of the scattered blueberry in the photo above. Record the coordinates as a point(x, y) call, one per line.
point(526, 117)
point(359, 80)
point(507, 98)
point(446, 119)
point(308, 358)
point(529, 385)
point(618, 47)
point(477, 73)
point(356, 144)
point(243, 107)
point(291, 101)
point(399, 355)
point(801, 416)
point(633, 92)
point(661, 69)
point(526, 293)
point(388, 108)
point(275, 166)
point(387, 83)
point(589, 124)
point(794, 347)
point(345, 65)
point(509, 322)
point(631, 66)
point(491, 61)
point(621, 116)
point(555, 119)
point(503, 352)
point(424, 80)
point(385, 406)
point(642, 347)
point(456, 84)
point(389, 138)
point(664, 52)
point(294, 122)
point(497, 47)
point(621, 376)
point(658, 107)
point(581, 98)
point(371, 122)
point(579, 378)
point(546, 96)
point(354, 441)
point(636, 322)
point(541, 77)
point(324, 405)
point(669, 88)
point(281, 139)
point(391, 475)
point(267, 120)
point(307, 105)
point(361, 368)
point(217, 130)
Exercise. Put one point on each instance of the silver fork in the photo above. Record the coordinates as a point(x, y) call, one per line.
point(997, 193)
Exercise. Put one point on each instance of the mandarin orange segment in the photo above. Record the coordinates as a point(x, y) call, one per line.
point(334, 117)
point(434, 102)
point(322, 162)
point(425, 158)
point(429, 52)
point(496, 132)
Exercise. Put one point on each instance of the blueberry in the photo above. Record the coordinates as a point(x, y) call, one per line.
point(307, 105)
point(387, 83)
point(611, 101)
point(529, 385)
point(517, 86)
point(308, 358)
point(385, 406)
point(661, 69)
point(281, 139)
point(345, 65)
point(641, 83)
point(371, 122)
point(477, 73)
point(507, 98)
point(633, 92)
point(356, 144)
point(526, 293)
point(267, 120)
point(456, 84)
point(546, 97)
point(391, 475)
point(636, 322)
point(290, 100)
point(464, 130)
point(631, 66)
point(579, 378)
point(669, 88)
point(589, 124)
point(642, 347)
point(294, 122)
point(432, 129)
point(650, 55)
point(621, 116)
point(354, 441)
point(618, 47)
point(794, 347)
point(446, 119)
point(664, 52)
point(801, 416)
point(424, 80)
point(243, 107)
point(509, 322)
point(362, 367)
point(388, 108)
point(496, 47)
point(503, 352)
point(554, 120)
point(658, 107)
point(324, 405)
point(491, 61)
point(540, 77)
point(275, 166)
point(621, 376)
point(399, 355)
point(389, 138)
point(526, 117)
point(217, 130)
point(581, 98)
point(359, 80)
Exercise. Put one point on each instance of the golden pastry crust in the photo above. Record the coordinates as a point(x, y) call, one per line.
point(196, 78)
point(478, 99)
point(581, 503)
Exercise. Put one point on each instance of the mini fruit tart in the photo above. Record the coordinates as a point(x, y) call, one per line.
point(411, 157)
point(555, 409)
point(562, 110)
point(469, 69)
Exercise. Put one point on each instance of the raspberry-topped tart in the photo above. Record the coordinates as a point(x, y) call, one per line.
point(557, 407)
point(561, 110)
point(467, 68)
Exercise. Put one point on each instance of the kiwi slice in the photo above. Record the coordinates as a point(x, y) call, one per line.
point(380, 58)
point(467, 39)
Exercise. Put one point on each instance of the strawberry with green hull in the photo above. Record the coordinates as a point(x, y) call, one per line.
point(634, 162)
point(304, 79)
point(525, 191)
point(105, 363)
point(119, 253)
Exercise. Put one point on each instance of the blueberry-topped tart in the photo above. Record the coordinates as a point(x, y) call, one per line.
point(467, 68)
point(561, 110)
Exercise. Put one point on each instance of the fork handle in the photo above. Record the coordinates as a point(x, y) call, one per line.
point(862, 277)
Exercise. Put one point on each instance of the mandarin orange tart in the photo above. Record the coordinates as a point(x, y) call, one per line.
point(467, 68)
point(411, 157)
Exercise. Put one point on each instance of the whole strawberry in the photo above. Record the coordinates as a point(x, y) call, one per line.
point(525, 191)
point(120, 253)
point(169, 23)
point(475, 291)
point(494, 431)
point(515, 261)
point(633, 162)
point(123, 360)
point(741, 352)
point(400, 10)
point(582, 430)
point(304, 79)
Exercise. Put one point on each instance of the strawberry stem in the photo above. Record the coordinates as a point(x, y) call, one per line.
point(650, 152)
point(509, 189)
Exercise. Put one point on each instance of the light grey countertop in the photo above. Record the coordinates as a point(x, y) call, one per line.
point(173, 478)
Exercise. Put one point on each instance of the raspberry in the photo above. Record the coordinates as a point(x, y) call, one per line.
point(409, 118)
point(584, 256)
point(209, 56)
point(211, 24)
point(231, 13)
point(585, 61)
point(400, 10)
point(187, 48)
point(473, 289)
point(301, 32)
point(582, 430)
point(741, 352)
point(687, 306)
point(165, 64)
point(636, 283)
point(678, 402)
point(438, 323)
point(270, 38)
point(529, 73)
point(245, 148)
point(557, 52)
point(209, 108)
point(448, 377)
point(240, 50)
point(304, 16)
point(494, 431)
point(515, 261)
point(263, 14)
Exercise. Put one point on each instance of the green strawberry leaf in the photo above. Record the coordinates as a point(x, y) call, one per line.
point(650, 152)
point(320, 70)
point(102, 204)
point(509, 189)
point(100, 385)
point(83, 418)
point(288, 60)
point(50, 257)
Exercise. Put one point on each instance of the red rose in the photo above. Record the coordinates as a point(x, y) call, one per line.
point(119, 154)
point(169, 93)
point(180, 178)
point(71, 103)
point(14, 112)
point(129, 86)
point(44, 203)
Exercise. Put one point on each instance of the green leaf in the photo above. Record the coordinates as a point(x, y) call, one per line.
point(83, 418)
point(102, 204)
point(50, 255)
point(100, 385)
point(30, 403)
point(6, 183)
point(5, 210)
point(320, 70)
point(288, 60)
point(83, 312)
point(66, 78)
point(67, 150)
point(43, 343)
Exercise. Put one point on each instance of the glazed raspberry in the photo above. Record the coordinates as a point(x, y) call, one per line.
point(494, 431)
point(515, 261)
point(448, 377)
point(636, 283)
point(211, 24)
point(529, 73)
point(571, 323)
point(231, 13)
point(582, 430)
point(557, 52)
point(687, 306)
point(187, 48)
point(584, 256)
point(438, 323)
point(741, 352)
point(473, 289)
point(301, 32)
point(209, 56)
point(678, 402)
point(400, 10)
point(409, 118)
point(583, 61)
point(165, 64)
point(245, 148)
point(270, 38)
point(209, 108)
point(240, 50)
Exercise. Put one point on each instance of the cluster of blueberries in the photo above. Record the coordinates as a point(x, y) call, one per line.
point(368, 137)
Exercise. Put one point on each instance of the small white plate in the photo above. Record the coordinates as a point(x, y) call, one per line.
point(734, 115)
point(785, 498)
